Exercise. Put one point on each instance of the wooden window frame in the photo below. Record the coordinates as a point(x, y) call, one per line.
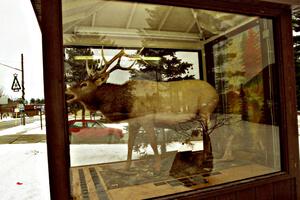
point(55, 106)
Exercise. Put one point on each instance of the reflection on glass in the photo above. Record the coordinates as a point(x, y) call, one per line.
point(243, 72)
point(157, 106)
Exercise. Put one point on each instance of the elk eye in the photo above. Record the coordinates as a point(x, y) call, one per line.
point(83, 85)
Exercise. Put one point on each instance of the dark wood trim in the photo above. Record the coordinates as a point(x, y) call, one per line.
point(200, 63)
point(246, 7)
point(233, 187)
point(36, 5)
point(285, 60)
point(57, 136)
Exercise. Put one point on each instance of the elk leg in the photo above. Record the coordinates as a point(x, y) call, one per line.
point(228, 150)
point(132, 131)
point(152, 138)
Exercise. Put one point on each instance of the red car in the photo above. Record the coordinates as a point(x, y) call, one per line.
point(92, 128)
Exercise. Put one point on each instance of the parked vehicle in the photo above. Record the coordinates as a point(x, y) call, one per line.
point(92, 128)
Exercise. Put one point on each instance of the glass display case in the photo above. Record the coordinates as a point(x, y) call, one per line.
point(164, 99)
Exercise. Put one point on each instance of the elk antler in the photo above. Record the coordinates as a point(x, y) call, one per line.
point(103, 73)
point(108, 63)
point(94, 72)
point(118, 66)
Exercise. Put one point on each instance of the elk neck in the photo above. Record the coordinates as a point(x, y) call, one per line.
point(114, 101)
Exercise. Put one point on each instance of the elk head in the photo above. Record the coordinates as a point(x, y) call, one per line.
point(97, 76)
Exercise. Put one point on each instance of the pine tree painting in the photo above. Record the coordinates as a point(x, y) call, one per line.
point(238, 63)
point(252, 54)
point(252, 58)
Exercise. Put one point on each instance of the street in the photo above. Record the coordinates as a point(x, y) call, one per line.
point(12, 132)
point(5, 124)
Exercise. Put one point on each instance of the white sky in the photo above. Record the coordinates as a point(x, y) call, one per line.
point(120, 77)
point(20, 33)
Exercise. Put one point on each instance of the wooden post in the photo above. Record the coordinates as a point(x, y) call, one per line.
point(41, 118)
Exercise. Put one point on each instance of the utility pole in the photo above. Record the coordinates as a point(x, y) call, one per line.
point(23, 89)
point(16, 86)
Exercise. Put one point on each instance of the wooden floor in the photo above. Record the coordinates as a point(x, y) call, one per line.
point(88, 183)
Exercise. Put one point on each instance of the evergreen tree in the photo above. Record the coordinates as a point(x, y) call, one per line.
point(75, 71)
point(168, 68)
point(296, 28)
point(38, 101)
point(32, 101)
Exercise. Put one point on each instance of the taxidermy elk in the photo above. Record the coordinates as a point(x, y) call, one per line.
point(142, 103)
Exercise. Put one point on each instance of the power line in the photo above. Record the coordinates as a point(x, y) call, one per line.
point(10, 67)
point(6, 60)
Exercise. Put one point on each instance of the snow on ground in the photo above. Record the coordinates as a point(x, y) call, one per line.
point(4, 119)
point(86, 154)
point(24, 169)
point(24, 172)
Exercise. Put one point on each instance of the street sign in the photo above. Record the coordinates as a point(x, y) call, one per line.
point(21, 107)
point(15, 85)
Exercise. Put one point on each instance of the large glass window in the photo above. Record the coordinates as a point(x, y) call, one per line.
point(168, 99)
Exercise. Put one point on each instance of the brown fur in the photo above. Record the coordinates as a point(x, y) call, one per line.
point(147, 104)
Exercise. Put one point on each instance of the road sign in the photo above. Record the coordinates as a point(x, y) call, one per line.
point(15, 85)
point(21, 107)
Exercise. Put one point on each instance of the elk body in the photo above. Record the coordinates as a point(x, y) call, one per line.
point(146, 104)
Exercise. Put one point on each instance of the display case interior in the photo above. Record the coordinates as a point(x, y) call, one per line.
point(165, 99)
